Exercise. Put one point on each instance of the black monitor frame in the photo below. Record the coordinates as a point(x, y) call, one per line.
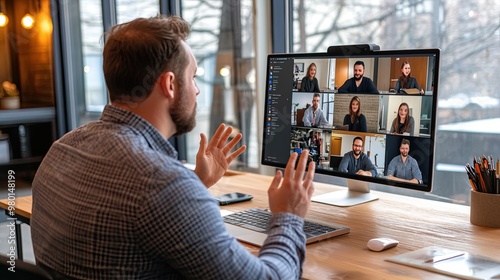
point(280, 91)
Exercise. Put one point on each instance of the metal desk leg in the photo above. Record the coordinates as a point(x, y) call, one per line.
point(19, 239)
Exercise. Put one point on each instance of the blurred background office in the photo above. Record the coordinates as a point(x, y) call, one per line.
point(56, 66)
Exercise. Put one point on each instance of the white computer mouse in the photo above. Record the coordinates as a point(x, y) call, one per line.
point(382, 243)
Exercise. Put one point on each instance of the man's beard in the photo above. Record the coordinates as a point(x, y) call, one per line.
point(357, 79)
point(356, 153)
point(184, 121)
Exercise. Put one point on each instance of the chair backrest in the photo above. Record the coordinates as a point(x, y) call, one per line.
point(17, 269)
point(300, 115)
point(335, 162)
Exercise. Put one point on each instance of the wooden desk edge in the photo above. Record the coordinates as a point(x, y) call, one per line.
point(22, 205)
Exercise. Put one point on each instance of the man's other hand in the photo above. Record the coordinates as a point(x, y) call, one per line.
point(292, 191)
point(212, 160)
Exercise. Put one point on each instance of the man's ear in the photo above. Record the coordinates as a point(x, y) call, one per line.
point(167, 84)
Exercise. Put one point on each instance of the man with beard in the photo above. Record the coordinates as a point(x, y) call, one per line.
point(403, 167)
point(111, 200)
point(357, 162)
point(313, 116)
point(358, 83)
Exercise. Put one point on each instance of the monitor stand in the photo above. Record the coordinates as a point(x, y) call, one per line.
point(358, 192)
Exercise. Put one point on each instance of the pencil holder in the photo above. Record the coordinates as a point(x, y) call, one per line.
point(485, 209)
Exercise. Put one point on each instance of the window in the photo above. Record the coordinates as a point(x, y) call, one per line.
point(96, 96)
point(127, 10)
point(222, 41)
point(467, 34)
point(92, 32)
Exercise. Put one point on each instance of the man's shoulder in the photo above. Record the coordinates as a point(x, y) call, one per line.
point(349, 81)
point(118, 143)
point(97, 136)
point(348, 154)
point(395, 159)
point(412, 159)
point(363, 156)
point(79, 130)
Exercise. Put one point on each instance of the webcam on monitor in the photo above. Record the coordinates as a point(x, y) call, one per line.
point(349, 50)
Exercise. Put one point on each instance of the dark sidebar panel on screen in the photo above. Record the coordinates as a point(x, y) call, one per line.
point(277, 128)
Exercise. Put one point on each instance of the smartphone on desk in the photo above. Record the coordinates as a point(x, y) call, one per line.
point(230, 198)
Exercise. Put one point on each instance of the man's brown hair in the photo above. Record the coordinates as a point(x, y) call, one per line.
point(136, 53)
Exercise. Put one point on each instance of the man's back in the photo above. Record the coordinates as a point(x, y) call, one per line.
point(102, 185)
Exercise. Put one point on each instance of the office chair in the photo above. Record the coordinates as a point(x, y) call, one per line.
point(23, 270)
point(335, 161)
point(300, 115)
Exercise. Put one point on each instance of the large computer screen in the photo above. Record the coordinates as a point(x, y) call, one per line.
point(367, 116)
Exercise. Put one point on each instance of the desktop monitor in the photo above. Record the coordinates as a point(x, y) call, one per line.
point(337, 135)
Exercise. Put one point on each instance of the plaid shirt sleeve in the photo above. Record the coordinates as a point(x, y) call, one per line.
point(182, 225)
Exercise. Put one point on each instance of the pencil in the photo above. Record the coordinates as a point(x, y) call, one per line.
point(484, 161)
point(472, 185)
point(481, 185)
point(498, 185)
point(471, 175)
point(484, 174)
point(498, 167)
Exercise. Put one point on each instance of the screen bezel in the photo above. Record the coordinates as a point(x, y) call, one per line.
point(435, 52)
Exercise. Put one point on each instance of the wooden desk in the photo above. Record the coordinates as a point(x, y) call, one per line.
point(23, 207)
point(22, 213)
point(416, 223)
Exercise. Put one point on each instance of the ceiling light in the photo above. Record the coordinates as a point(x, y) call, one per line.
point(3, 19)
point(28, 21)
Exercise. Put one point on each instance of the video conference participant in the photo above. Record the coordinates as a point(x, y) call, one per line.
point(358, 83)
point(112, 201)
point(357, 162)
point(355, 120)
point(309, 82)
point(406, 80)
point(403, 167)
point(313, 116)
point(315, 141)
point(403, 123)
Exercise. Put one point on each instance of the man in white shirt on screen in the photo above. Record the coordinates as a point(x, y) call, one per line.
point(313, 116)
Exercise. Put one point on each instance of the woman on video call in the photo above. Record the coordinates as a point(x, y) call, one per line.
point(355, 120)
point(309, 82)
point(406, 80)
point(403, 123)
